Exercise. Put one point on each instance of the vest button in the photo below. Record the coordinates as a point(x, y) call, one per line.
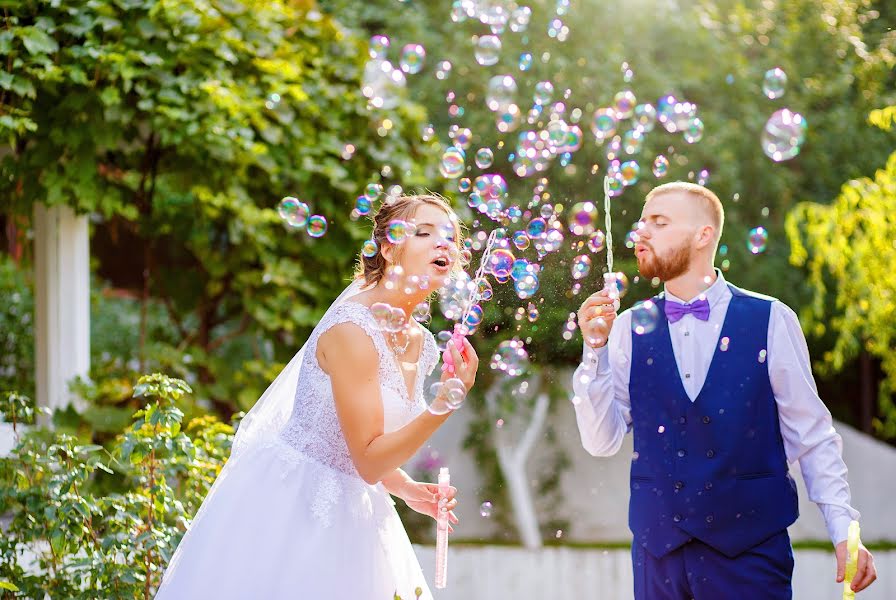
point(679, 485)
point(681, 453)
point(682, 420)
point(706, 419)
point(709, 518)
point(710, 453)
point(708, 485)
point(677, 518)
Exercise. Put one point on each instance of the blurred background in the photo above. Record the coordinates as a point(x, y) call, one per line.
point(148, 146)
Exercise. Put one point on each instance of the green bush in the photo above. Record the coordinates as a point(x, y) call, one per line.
point(68, 538)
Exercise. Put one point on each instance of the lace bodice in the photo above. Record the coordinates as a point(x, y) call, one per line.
point(313, 428)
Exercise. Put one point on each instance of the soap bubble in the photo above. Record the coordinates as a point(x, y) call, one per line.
point(693, 133)
point(526, 286)
point(784, 134)
point(293, 211)
point(757, 240)
point(597, 241)
point(536, 228)
point(382, 83)
point(520, 240)
point(583, 218)
point(370, 248)
point(629, 172)
point(485, 509)
point(644, 117)
point(397, 231)
point(363, 205)
point(603, 124)
point(464, 185)
point(500, 262)
point(455, 295)
point(316, 226)
point(373, 191)
point(544, 91)
point(510, 357)
point(488, 50)
point(484, 158)
point(525, 62)
point(452, 163)
point(379, 45)
point(645, 317)
point(500, 92)
point(581, 265)
point(412, 57)
point(624, 104)
point(774, 83)
point(660, 166)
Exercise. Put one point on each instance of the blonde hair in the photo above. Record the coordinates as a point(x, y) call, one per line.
point(711, 202)
point(372, 268)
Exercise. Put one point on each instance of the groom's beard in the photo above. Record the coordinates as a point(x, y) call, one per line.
point(675, 263)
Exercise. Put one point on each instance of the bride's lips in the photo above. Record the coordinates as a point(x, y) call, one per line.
point(442, 264)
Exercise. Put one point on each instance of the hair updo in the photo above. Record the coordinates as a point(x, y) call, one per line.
point(373, 268)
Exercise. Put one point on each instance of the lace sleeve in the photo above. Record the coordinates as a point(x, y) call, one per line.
point(358, 314)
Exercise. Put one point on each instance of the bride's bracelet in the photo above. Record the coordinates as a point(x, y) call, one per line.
point(449, 396)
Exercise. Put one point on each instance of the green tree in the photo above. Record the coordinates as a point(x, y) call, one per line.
point(848, 250)
point(179, 126)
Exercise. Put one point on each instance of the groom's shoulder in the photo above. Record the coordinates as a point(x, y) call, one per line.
point(750, 294)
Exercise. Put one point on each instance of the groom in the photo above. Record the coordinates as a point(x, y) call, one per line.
point(714, 383)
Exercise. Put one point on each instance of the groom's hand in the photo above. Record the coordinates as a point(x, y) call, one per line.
point(596, 317)
point(866, 572)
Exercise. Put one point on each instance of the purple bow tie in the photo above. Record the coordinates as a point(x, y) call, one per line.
point(675, 310)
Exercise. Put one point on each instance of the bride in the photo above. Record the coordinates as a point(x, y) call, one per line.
point(302, 509)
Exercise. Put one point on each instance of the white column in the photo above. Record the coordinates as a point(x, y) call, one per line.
point(62, 302)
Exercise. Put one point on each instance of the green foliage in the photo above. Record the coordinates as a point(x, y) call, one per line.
point(848, 249)
point(180, 125)
point(16, 328)
point(69, 538)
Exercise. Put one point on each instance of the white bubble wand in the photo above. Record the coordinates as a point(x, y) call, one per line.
point(609, 276)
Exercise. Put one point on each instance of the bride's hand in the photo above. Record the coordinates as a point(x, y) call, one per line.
point(424, 498)
point(466, 363)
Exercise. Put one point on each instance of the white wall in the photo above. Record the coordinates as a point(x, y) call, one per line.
point(498, 573)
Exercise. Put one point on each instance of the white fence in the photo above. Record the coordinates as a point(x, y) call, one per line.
point(502, 573)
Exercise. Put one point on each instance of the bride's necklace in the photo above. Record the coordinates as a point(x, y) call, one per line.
point(396, 347)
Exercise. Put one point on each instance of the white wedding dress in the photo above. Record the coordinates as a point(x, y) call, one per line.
point(292, 518)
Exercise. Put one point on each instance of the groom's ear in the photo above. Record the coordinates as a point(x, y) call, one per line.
point(706, 235)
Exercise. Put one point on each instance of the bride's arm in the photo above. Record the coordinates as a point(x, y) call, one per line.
point(396, 482)
point(348, 355)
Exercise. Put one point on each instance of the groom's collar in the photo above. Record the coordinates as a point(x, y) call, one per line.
point(713, 293)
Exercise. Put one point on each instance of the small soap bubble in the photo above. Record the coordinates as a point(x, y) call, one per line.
point(583, 218)
point(544, 91)
point(485, 509)
point(412, 57)
point(774, 83)
point(525, 62)
point(597, 241)
point(363, 205)
point(660, 166)
point(370, 248)
point(397, 231)
point(603, 125)
point(487, 50)
point(693, 133)
point(757, 240)
point(784, 134)
point(317, 226)
point(293, 211)
point(484, 158)
point(645, 317)
point(581, 265)
point(624, 104)
point(421, 312)
point(510, 358)
point(452, 163)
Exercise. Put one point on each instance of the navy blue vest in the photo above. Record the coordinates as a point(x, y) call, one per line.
point(713, 469)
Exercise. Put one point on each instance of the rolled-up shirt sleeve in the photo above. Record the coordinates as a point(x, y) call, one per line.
point(806, 424)
point(600, 388)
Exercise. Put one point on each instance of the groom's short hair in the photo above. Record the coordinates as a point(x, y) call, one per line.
point(711, 203)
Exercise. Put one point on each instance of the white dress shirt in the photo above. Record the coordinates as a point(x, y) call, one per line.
point(603, 406)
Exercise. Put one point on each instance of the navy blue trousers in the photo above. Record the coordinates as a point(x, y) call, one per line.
point(697, 572)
